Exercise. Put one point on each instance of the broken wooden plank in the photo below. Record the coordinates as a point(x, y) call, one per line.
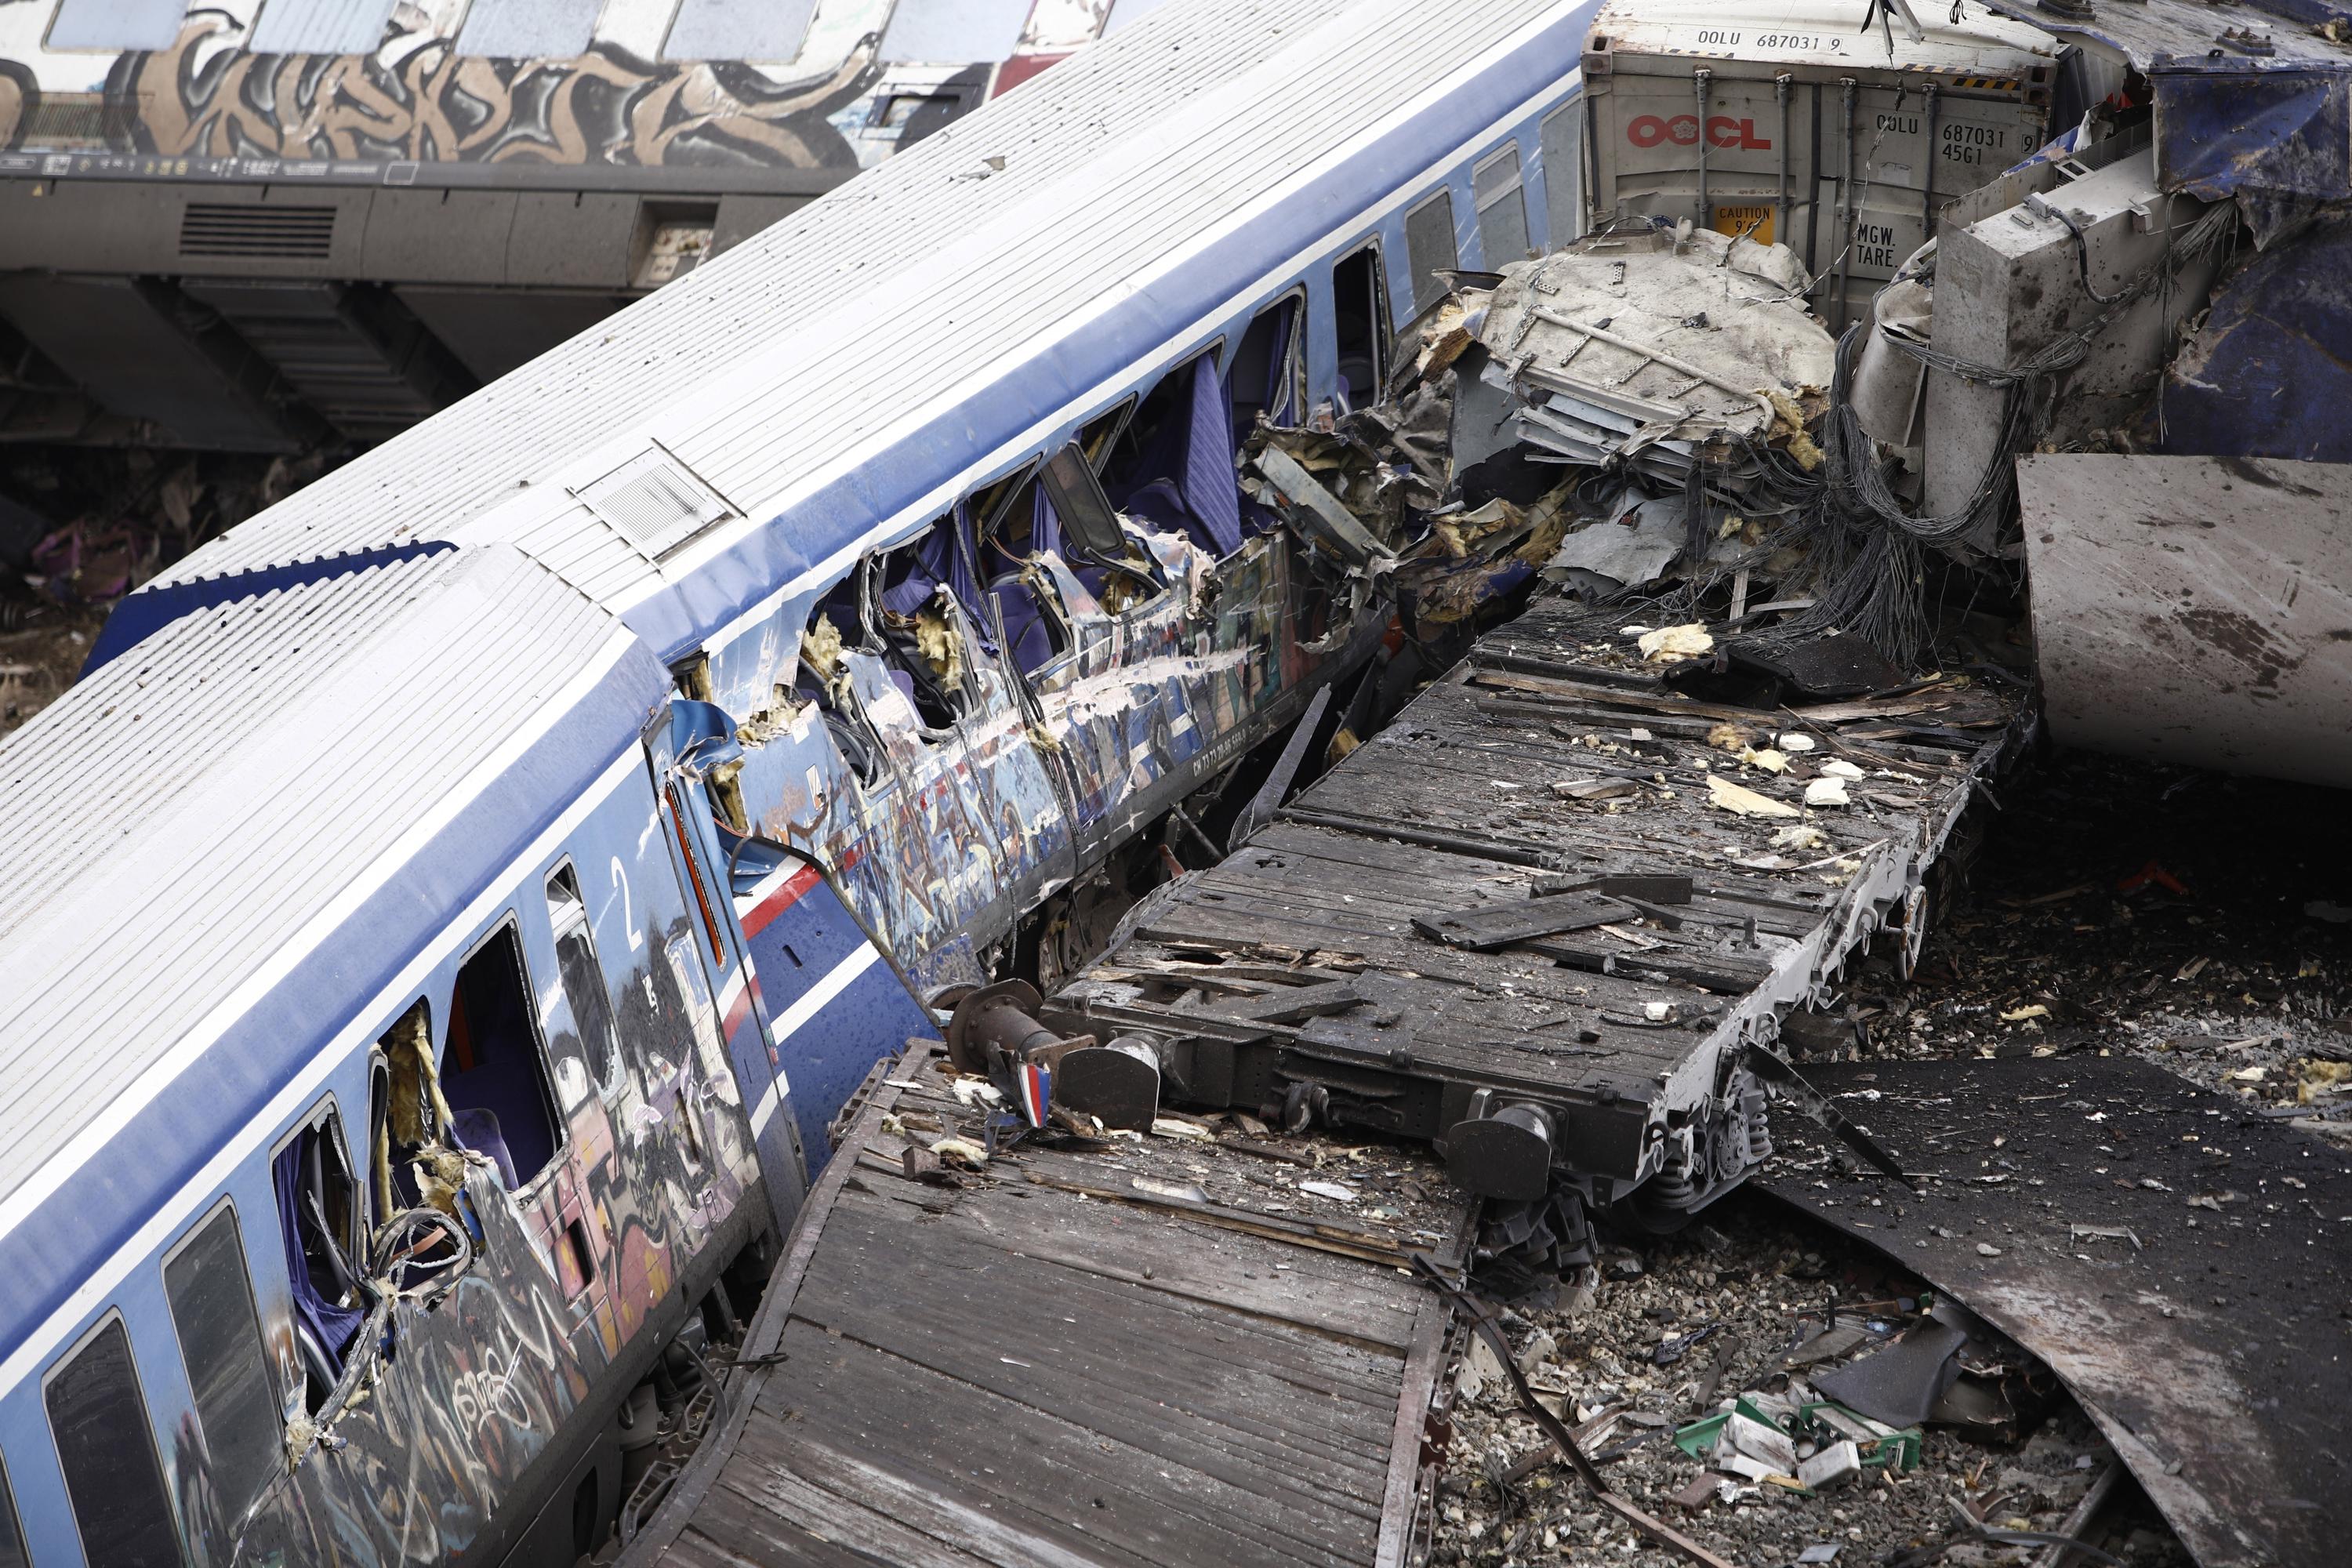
point(1490, 926)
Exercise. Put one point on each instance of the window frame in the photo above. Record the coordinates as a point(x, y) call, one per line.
point(1563, 198)
point(113, 1317)
point(1426, 278)
point(1112, 424)
point(1297, 388)
point(606, 1084)
point(1518, 196)
point(187, 1238)
point(1384, 325)
point(511, 921)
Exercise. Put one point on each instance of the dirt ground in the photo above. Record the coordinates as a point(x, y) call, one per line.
point(38, 661)
point(2109, 906)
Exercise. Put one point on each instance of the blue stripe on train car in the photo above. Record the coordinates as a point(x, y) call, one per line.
point(835, 1005)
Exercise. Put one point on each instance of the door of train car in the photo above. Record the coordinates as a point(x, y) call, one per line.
point(828, 1001)
point(697, 741)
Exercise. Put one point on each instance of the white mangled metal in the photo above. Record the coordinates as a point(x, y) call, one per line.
point(2194, 609)
point(2008, 286)
point(1644, 345)
point(1837, 141)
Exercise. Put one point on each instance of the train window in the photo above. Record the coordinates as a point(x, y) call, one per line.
point(1015, 529)
point(1429, 248)
point(12, 1529)
point(320, 27)
point(211, 1296)
point(1563, 174)
point(317, 1218)
point(1269, 372)
point(529, 29)
point(1172, 465)
point(920, 587)
point(1359, 299)
point(117, 25)
point(1502, 208)
point(1100, 434)
point(582, 976)
point(1078, 499)
point(492, 1071)
point(769, 30)
point(694, 874)
point(952, 32)
point(106, 1448)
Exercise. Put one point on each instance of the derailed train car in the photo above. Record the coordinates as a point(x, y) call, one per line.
point(443, 920)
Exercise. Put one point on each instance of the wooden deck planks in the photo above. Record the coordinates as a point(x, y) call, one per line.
point(1007, 1371)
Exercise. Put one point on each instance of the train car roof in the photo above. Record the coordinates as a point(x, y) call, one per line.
point(218, 852)
point(761, 420)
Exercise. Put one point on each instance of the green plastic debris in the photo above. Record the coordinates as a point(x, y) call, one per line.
point(1697, 1439)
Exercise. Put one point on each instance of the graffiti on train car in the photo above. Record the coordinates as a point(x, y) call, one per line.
point(431, 104)
point(416, 98)
point(652, 1155)
point(946, 823)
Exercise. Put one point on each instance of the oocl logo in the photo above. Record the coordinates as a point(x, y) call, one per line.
point(1722, 131)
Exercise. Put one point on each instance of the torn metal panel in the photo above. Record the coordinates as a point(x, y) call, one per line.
point(2265, 374)
point(2017, 289)
point(2234, 1289)
point(2194, 609)
point(2256, 99)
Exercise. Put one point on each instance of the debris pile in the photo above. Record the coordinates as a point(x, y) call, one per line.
point(1776, 1397)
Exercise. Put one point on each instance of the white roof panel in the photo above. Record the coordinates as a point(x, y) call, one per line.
point(935, 281)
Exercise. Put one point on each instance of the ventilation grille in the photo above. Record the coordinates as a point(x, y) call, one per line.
point(281, 234)
point(653, 503)
point(62, 120)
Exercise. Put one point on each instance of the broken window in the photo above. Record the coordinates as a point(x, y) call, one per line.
point(918, 590)
point(1100, 434)
point(1360, 299)
point(836, 626)
point(107, 1449)
point(318, 1217)
point(1083, 509)
point(211, 1297)
point(1268, 375)
point(493, 1074)
point(582, 977)
point(1015, 525)
point(1563, 174)
point(1171, 467)
point(1429, 248)
point(1502, 208)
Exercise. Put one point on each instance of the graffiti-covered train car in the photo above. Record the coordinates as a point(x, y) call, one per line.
point(444, 918)
point(307, 221)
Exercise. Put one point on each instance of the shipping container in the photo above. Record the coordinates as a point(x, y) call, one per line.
point(1841, 144)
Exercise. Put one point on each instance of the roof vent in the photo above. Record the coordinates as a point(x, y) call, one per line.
point(655, 503)
point(278, 234)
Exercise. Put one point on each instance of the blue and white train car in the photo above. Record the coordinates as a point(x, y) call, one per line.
point(435, 933)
